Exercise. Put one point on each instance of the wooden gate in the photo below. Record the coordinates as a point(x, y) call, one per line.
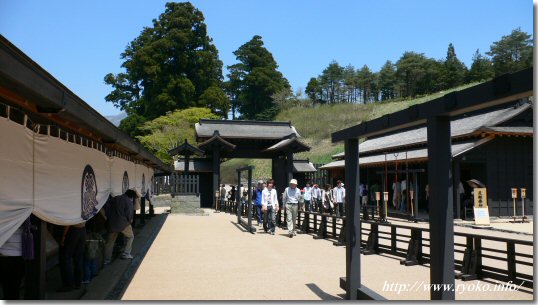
point(176, 183)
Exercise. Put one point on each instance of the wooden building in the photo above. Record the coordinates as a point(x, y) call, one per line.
point(60, 159)
point(220, 140)
point(492, 146)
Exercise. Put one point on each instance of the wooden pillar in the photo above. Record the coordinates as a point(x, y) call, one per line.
point(417, 193)
point(353, 223)
point(289, 167)
point(35, 280)
point(216, 173)
point(238, 197)
point(249, 197)
point(441, 208)
point(143, 210)
point(455, 186)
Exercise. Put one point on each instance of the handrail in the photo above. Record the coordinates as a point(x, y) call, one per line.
point(472, 266)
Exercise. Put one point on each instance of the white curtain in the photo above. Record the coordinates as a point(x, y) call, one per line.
point(65, 173)
point(60, 182)
point(122, 172)
point(16, 176)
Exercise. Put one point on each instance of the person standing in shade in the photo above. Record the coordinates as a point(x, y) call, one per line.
point(94, 245)
point(222, 195)
point(339, 197)
point(232, 194)
point(269, 205)
point(292, 198)
point(307, 198)
point(327, 199)
point(257, 201)
point(72, 256)
point(12, 266)
point(119, 213)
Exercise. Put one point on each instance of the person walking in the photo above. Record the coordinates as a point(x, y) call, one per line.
point(339, 197)
point(269, 205)
point(307, 198)
point(119, 213)
point(292, 198)
point(257, 198)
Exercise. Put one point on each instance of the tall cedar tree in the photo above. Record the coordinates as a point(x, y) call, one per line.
point(257, 79)
point(454, 70)
point(167, 67)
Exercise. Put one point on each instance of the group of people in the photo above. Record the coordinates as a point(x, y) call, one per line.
point(266, 201)
point(80, 246)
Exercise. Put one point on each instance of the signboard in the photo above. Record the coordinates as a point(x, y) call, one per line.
point(481, 216)
point(514, 193)
point(480, 197)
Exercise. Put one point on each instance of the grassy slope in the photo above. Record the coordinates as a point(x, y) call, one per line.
point(316, 124)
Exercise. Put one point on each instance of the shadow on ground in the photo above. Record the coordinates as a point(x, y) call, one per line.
point(322, 294)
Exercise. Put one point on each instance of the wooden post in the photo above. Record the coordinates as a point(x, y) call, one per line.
point(353, 225)
point(143, 210)
point(249, 197)
point(216, 172)
point(238, 197)
point(441, 212)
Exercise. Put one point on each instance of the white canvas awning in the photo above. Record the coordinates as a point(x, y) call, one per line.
point(59, 181)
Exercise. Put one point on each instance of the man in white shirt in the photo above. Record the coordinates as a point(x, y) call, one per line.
point(339, 198)
point(291, 198)
point(270, 205)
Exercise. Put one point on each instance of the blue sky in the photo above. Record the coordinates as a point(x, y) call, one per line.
point(80, 41)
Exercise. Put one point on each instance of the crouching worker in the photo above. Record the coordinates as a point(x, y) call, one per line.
point(270, 205)
point(119, 214)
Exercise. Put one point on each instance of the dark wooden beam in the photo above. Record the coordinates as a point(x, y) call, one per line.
point(441, 214)
point(353, 221)
point(216, 172)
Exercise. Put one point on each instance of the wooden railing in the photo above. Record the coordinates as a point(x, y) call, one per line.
point(479, 256)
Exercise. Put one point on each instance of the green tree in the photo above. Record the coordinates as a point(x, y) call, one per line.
point(215, 99)
point(313, 91)
point(170, 130)
point(481, 68)
point(167, 67)
point(257, 80)
point(366, 83)
point(331, 80)
point(131, 123)
point(512, 52)
point(454, 70)
point(418, 74)
point(387, 81)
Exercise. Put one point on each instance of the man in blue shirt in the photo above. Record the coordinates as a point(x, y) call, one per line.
point(257, 200)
